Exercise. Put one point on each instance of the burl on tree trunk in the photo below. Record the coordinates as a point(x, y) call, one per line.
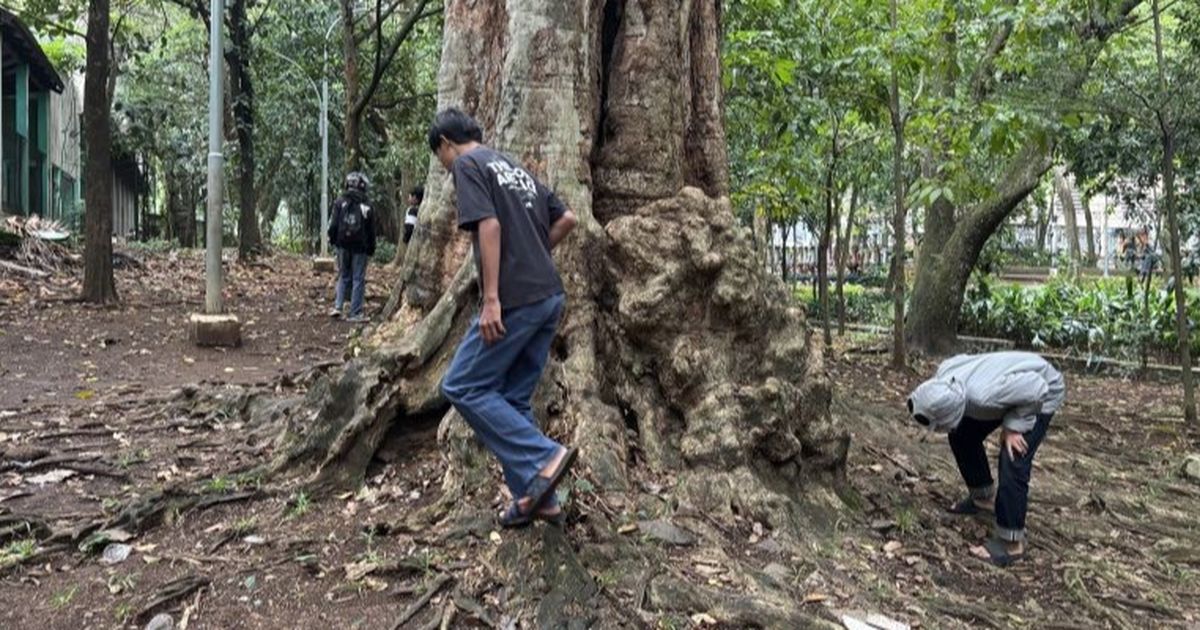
point(677, 356)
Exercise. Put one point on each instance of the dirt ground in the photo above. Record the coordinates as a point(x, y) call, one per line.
point(100, 402)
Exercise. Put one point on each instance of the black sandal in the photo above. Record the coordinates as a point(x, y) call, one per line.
point(540, 489)
point(967, 507)
point(999, 553)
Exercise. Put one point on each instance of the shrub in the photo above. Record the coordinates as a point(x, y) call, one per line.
point(1105, 317)
point(385, 251)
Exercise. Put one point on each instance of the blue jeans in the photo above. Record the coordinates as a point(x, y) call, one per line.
point(1012, 498)
point(492, 388)
point(352, 279)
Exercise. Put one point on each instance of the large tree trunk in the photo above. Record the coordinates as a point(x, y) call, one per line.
point(943, 271)
point(98, 284)
point(960, 233)
point(242, 93)
point(678, 355)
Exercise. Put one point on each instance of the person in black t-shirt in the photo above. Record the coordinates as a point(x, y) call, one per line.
point(514, 221)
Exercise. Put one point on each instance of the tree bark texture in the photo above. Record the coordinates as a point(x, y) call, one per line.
point(242, 93)
point(678, 353)
point(98, 284)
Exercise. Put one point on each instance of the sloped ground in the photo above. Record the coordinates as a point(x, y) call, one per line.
point(1112, 520)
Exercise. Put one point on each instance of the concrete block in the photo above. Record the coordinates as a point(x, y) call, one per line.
point(215, 330)
point(324, 265)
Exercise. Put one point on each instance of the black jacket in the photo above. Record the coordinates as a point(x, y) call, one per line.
point(364, 241)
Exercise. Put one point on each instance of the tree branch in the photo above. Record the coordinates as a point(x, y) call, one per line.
point(416, 16)
point(380, 18)
point(981, 79)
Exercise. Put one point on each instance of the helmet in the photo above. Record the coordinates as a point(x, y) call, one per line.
point(357, 181)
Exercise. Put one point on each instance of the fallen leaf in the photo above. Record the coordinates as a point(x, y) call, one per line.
point(627, 528)
point(981, 552)
point(813, 598)
point(892, 546)
point(703, 619)
point(495, 537)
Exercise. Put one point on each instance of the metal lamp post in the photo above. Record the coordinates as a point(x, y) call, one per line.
point(216, 163)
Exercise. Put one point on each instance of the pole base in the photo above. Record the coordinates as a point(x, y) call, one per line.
point(322, 264)
point(224, 331)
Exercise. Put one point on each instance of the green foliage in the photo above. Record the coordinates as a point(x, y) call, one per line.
point(865, 305)
point(66, 55)
point(385, 252)
point(1103, 317)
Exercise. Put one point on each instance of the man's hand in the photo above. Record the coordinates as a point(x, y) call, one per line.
point(1014, 443)
point(490, 324)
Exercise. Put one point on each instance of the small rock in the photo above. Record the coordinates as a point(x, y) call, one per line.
point(254, 540)
point(892, 546)
point(1191, 467)
point(161, 621)
point(883, 525)
point(770, 546)
point(778, 572)
point(667, 532)
point(115, 553)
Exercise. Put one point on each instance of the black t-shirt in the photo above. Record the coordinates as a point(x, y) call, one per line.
point(489, 184)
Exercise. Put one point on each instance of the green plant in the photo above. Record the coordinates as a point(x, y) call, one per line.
point(299, 505)
point(219, 484)
point(17, 551)
point(63, 598)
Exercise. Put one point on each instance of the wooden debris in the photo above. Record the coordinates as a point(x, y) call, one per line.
point(416, 607)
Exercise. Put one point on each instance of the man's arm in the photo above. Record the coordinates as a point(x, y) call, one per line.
point(490, 324)
point(562, 227)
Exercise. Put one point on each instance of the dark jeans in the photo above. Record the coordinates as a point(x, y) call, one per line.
point(1012, 499)
point(492, 388)
point(352, 281)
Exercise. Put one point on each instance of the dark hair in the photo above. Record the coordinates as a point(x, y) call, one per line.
point(418, 192)
point(455, 126)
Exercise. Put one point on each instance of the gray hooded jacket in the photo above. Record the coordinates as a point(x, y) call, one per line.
point(1013, 386)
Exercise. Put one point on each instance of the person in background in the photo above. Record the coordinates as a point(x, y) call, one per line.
point(415, 197)
point(352, 232)
point(969, 398)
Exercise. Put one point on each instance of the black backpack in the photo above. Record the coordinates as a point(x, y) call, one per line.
point(351, 223)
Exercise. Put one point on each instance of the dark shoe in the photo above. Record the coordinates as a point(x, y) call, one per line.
point(999, 553)
point(540, 489)
point(514, 518)
point(967, 507)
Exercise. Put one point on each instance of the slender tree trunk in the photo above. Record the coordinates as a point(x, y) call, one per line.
point(824, 241)
point(1167, 129)
point(99, 286)
point(1045, 220)
point(783, 251)
point(352, 125)
point(242, 93)
point(896, 279)
point(843, 250)
point(1070, 213)
point(1086, 210)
